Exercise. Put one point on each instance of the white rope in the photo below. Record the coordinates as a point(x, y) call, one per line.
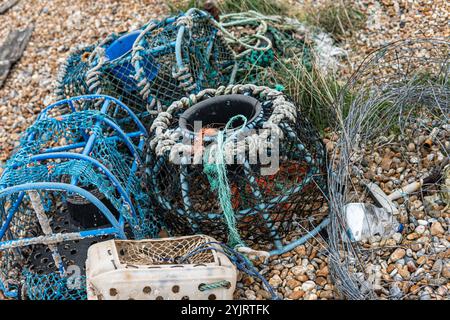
point(167, 139)
point(186, 21)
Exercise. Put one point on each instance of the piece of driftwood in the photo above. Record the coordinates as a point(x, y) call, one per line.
point(12, 49)
point(6, 5)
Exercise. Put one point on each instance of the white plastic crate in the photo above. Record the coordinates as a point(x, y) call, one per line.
point(158, 269)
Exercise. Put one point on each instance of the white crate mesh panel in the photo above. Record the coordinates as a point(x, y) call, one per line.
point(164, 252)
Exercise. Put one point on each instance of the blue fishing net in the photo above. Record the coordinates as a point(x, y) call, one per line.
point(53, 286)
point(44, 156)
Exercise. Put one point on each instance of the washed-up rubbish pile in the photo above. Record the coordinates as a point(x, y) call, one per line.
point(104, 172)
point(388, 177)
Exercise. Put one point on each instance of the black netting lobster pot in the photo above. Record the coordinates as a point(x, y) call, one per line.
point(153, 66)
point(240, 158)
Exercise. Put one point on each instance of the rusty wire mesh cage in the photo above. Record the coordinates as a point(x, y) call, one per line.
point(267, 203)
point(393, 152)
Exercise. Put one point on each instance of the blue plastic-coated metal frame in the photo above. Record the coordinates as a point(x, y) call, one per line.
point(177, 46)
point(58, 186)
point(95, 163)
point(61, 153)
point(311, 234)
point(70, 101)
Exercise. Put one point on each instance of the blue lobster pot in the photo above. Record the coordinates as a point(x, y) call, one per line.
point(123, 70)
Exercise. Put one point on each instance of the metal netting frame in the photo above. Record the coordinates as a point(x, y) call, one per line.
point(100, 74)
point(272, 45)
point(405, 63)
point(162, 139)
point(60, 153)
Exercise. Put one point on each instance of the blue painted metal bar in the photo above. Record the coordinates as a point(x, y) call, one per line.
point(96, 163)
point(163, 201)
point(95, 97)
point(134, 165)
point(301, 240)
point(208, 55)
point(10, 215)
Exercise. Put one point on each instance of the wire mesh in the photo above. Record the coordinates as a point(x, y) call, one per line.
point(395, 133)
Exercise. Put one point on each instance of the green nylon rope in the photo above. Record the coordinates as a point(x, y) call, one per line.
point(214, 285)
point(217, 177)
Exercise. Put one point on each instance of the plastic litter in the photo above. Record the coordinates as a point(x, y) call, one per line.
point(160, 269)
point(365, 220)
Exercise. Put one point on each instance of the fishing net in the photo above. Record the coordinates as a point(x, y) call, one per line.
point(395, 143)
point(71, 79)
point(180, 56)
point(265, 46)
point(103, 68)
point(71, 182)
point(151, 67)
point(251, 198)
point(53, 287)
point(271, 49)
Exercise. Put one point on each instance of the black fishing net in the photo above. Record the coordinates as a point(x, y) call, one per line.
point(265, 203)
